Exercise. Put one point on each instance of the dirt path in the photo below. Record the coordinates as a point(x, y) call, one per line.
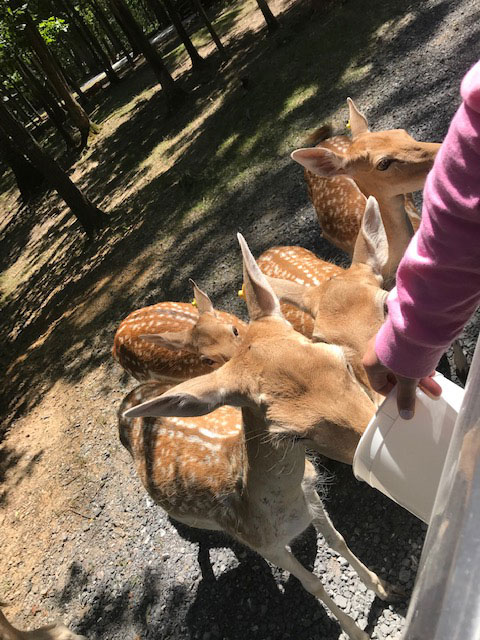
point(80, 537)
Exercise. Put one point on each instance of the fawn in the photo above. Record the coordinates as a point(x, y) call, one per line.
point(172, 341)
point(246, 473)
point(342, 172)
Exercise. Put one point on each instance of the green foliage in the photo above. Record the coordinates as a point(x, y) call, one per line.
point(51, 27)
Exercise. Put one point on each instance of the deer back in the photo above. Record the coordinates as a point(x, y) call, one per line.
point(147, 360)
point(193, 467)
point(299, 265)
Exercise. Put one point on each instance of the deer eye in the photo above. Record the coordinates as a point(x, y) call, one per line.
point(208, 361)
point(384, 164)
point(235, 331)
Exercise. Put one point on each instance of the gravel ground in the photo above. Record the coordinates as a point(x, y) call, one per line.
point(118, 568)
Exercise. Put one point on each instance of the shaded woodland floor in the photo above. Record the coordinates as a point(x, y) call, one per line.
point(176, 188)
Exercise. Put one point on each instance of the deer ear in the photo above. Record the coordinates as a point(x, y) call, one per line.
point(259, 295)
point(371, 246)
point(358, 122)
point(195, 397)
point(204, 304)
point(322, 162)
point(297, 294)
point(173, 340)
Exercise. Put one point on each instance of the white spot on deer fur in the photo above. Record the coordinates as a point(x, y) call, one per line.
point(203, 443)
point(212, 434)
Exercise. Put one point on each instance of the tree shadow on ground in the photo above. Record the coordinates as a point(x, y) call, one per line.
point(17, 465)
point(240, 596)
point(44, 314)
point(61, 322)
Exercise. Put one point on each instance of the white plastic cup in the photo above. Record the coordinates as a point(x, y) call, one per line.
point(404, 458)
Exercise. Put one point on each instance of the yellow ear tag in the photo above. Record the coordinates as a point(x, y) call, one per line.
point(348, 125)
point(194, 302)
point(241, 293)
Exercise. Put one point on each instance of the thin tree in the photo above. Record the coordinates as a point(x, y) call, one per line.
point(21, 91)
point(173, 94)
point(203, 15)
point(54, 73)
point(16, 105)
point(109, 30)
point(54, 111)
point(90, 216)
point(272, 23)
point(169, 8)
point(91, 40)
point(29, 180)
point(127, 33)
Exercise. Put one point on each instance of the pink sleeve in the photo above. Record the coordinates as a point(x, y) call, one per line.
point(438, 280)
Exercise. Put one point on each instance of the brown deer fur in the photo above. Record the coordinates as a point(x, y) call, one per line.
point(348, 308)
point(174, 341)
point(257, 486)
point(342, 172)
point(50, 632)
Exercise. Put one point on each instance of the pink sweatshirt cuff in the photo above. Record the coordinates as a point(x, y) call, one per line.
point(415, 360)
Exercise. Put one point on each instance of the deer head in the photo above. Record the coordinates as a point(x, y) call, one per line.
point(297, 388)
point(350, 306)
point(211, 337)
point(383, 164)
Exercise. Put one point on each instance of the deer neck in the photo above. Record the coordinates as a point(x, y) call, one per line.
point(270, 467)
point(398, 228)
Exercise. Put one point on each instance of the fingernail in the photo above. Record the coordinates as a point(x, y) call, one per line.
point(406, 414)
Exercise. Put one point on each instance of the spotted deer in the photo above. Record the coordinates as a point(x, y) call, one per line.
point(246, 473)
point(174, 341)
point(345, 306)
point(50, 632)
point(341, 172)
point(301, 266)
point(348, 306)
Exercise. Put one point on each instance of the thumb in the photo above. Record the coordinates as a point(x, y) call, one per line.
point(406, 397)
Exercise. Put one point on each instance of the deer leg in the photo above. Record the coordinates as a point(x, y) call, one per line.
point(285, 559)
point(335, 541)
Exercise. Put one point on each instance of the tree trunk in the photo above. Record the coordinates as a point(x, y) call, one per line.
point(84, 57)
point(91, 41)
point(173, 94)
point(109, 30)
point(23, 97)
point(90, 217)
point(125, 27)
point(53, 109)
point(15, 106)
point(56, 77)
point(29, 180)
point(203, 15)
point(40, 89)
point(72, 83)
point(272, 22)
point(169, 7)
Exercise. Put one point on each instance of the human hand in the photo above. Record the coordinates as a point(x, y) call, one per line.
point(383, 379)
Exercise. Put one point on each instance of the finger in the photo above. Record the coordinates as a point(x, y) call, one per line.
point(406, 397)
point(385, 390)
point(429, 386)
point(381, 383)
